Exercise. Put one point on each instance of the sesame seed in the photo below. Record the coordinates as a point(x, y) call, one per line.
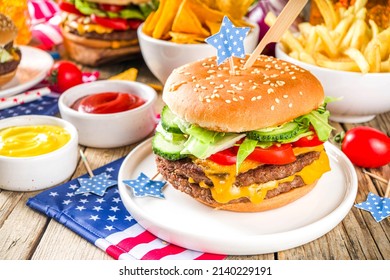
point(217, 95)
point(208, 100)
point(215, 91)
point(253, 98)
point(197, 85)
point(290, 105)
point(272, 107)
point(285, 96)
point(291, 73)
point(219, 75)
point(200, 98)
point(274, 75)
point(254, 87)
point(258, 97)
point(235, 99)
point(212, 83)
point(228, 101)
point(241, 97)
point(270, 90)
point(277, 100)
point(280, 83)
point(266, 82)
point(226, 81)
point(300, 93)
point(187, 73)
point(293, 77)
point(210, 71)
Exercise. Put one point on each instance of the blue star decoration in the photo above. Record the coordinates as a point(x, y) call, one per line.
point(379, 207)
point(143, 186)
point(96, 184)
point(229, 41)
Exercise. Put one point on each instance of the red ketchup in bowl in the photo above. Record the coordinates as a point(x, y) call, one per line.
point(107, 103)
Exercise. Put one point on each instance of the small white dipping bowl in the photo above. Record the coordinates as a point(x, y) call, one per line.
point(162, 57)
point(363, 96)
point(110, 130)
point(42, 171)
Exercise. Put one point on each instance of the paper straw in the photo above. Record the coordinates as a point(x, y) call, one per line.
point(22, 98)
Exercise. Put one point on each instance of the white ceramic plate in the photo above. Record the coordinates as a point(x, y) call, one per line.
point(32, 69)
point(181, 220)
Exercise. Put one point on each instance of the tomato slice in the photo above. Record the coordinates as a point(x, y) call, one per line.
point(114, 23)
point(225, 157)
point(111, 7)
point(276, 154)
point(68, 7)
point(308, 141)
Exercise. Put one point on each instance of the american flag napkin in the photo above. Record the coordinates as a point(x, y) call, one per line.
point(105, 222)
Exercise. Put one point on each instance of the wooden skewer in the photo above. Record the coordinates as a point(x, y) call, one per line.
point(85, 161)
point(387, 192)
point(282, 23)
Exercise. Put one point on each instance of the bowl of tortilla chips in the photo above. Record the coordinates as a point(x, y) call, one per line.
point(175, 33)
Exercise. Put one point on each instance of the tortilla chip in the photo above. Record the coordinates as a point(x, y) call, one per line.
point(184, 38)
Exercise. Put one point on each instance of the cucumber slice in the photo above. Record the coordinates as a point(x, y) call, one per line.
point(168, 149)
point(283, 132)
point(168, 121)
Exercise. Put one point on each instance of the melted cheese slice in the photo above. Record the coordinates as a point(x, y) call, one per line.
point(90, 27)
point(223, 177)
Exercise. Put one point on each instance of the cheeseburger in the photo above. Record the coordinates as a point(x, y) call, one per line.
point(247, 142)
point(99, 31)
point(10, 55)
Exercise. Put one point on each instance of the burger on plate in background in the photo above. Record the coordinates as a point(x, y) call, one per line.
point(247, 142)
point(10, 55)
point(99, 31)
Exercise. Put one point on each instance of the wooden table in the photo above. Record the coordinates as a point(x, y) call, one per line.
point(26, 234)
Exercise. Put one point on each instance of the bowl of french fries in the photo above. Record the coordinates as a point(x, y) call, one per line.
point(174, 34)
point(349, 52)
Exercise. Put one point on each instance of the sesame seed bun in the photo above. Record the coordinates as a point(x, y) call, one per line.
point(269, 93)
point(8, 30)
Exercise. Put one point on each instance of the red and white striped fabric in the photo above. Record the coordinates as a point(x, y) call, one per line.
point(45, 19)
point(135, 243)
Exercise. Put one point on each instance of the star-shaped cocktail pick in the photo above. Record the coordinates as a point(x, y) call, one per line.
point(378, 206)
point(96, 184)
point(229, 41)
point(144, 186)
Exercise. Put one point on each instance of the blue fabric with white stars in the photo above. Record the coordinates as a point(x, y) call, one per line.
point(87, 214)
point(229, 41)
point(143, 186)
point(379, 207)
point(46, 105)
point(96, 184)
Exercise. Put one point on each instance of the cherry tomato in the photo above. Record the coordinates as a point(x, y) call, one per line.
point(64, 75)
point(366, 147)
point(114, 23)
point(308, 141)
point(111, 7)
point(225, 157)
point(68, 7)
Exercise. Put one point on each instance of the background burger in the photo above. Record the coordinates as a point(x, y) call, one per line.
point(99, 31)
point(10, 55)
point(249, 142)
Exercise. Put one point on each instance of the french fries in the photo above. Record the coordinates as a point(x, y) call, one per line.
point(347, 40)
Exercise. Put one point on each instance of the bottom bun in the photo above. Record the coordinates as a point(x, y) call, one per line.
point(7, 77)
point(267, 204)
point(94, 56)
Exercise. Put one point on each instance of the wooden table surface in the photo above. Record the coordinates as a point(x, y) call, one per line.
point(26, 234)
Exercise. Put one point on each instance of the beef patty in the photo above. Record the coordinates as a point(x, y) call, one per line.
point(178, 173)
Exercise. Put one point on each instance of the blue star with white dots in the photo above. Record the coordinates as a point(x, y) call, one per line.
point(143, 186)
point(229, 41)
point(379, 207)
point(96, 184)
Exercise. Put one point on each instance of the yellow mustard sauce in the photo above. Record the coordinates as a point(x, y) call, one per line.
point(30, 141)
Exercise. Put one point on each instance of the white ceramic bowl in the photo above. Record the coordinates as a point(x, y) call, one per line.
point(110, 130)
point(363, 95)
point(43, 171)
point(162, 57)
